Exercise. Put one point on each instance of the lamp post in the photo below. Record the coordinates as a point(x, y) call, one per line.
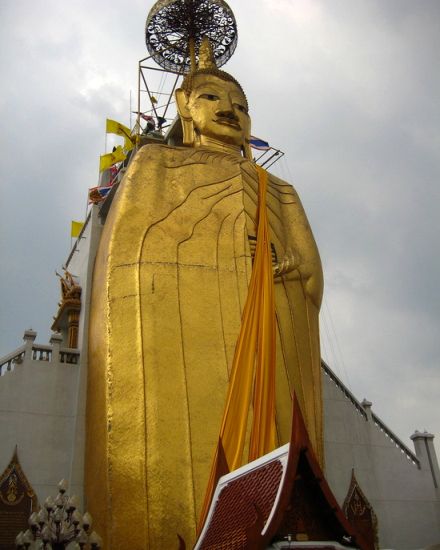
point(59, 525)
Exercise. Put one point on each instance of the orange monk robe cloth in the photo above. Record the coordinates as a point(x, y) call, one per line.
point(253, 366)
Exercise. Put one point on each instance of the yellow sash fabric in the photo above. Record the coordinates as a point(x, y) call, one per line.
point(253, 364)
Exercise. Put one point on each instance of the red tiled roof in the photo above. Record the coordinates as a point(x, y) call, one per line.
point(283, 493)
point(243, 504)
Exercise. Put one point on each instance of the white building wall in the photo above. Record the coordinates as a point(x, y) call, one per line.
point(398, 484)
point(37, 413)
point(42, 400)
point(80, 264)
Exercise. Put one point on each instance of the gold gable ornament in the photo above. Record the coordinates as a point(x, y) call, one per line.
point(360, 513)
point(66, 320)
point(17, 501)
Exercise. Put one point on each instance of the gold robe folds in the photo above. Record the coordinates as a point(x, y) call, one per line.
point(170, 282)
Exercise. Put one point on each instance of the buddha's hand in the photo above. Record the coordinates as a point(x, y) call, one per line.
point(287, 264)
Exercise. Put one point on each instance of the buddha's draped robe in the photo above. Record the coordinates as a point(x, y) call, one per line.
point(170, 282)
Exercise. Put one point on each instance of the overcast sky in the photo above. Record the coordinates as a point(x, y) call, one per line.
point(348, 89)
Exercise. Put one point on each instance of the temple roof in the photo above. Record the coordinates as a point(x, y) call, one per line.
point(281, 496)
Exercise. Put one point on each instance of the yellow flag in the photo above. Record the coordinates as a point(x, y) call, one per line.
point(113, 127)
point(105, 161)
point(76, 228)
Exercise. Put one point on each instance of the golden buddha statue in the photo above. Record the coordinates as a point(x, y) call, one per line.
point(170, 282)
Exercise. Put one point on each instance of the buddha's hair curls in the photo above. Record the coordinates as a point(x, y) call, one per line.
point(188, 82)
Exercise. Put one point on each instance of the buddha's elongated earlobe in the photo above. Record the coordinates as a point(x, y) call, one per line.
point(188, 131)
point(185, 117)
point(247, 151)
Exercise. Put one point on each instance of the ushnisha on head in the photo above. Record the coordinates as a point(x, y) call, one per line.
point(213, 107)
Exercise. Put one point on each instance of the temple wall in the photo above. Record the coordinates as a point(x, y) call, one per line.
point(81, 264)
point(37, 413)
point(398, 483)
point(43, 391)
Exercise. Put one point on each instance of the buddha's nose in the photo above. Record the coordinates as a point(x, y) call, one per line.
point(227, 113)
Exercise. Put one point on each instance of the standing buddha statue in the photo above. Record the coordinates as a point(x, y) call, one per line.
point(170, 283)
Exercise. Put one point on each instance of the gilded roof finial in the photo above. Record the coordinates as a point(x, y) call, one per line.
point(206, 55)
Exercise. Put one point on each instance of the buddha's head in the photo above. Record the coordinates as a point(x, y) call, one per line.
point(213, 108)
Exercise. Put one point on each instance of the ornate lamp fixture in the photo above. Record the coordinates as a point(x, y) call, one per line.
point(58, 525)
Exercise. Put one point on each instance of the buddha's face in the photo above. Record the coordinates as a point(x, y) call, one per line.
point(218, 110)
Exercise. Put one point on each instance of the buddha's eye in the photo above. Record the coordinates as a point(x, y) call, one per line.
point(209, 97)
point(241, 108)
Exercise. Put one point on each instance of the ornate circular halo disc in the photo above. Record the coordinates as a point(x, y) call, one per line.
point(171, 24)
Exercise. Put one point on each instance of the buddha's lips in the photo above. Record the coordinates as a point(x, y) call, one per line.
point(228, 122)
